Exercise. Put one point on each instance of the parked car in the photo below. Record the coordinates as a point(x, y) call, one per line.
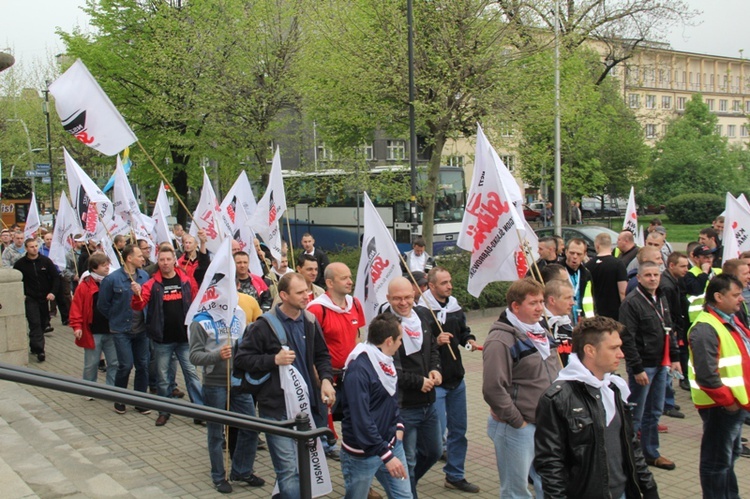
point(594, 209)
point(531, 215)
point(585, 232)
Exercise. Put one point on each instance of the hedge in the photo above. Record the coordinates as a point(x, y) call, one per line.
point(458, 265)
point(694, 208)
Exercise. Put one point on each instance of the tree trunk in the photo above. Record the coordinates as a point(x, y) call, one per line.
point(428, 194)
point(180, 185)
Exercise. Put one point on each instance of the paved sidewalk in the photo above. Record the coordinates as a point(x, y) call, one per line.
point(88, 450)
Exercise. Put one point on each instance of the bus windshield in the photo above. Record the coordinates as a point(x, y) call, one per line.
point(450, 198)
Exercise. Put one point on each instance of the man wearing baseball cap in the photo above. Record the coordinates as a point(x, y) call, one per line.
point(698, 277)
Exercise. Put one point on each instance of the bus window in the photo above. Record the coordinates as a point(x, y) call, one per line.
point(21, 212)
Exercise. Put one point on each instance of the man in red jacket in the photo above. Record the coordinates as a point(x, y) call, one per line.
point(168, 295)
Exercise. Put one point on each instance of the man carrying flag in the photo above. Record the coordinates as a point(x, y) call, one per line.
point(212, 341)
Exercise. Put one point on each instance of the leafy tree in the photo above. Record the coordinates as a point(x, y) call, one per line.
point(356, 74)
point(692, 157)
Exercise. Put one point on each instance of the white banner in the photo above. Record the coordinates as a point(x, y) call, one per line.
point(218, 293)
point(244, 235)
point(491, 226)
point(297, 399)
point(87, 113)
point(160, 215)
point(31, 229)
point(207, 216)
point(631, 215)
point(241, 194)
point(378, 262)
point(265, 220)
point(736, 228)
point(66, 226)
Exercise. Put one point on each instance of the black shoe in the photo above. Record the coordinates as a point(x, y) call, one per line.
point(162, 420)
point(444, 456)
point(223, 486)
point(48, 329)
point(462, 485)
point(674, 413)
point(199, 422)
point(102, 366)
point(177, 393)
point(64, 323)
point(745, 451)
point(251, 480)
point(333, 454)
point(747, 420)
point(41, 357)
point(685, 384)
point(675, 406)
point(743, 439)
point(143, 410)
point(119, 408)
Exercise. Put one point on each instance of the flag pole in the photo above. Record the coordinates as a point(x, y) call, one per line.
point(164, 177)
point(289, 232)
point(119, 254)
point(229, 390)
point(421, 295)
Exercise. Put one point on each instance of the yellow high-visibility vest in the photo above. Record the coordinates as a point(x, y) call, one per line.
point(695, 302)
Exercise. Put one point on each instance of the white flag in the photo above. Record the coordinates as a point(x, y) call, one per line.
point(491, 227)
point(241, 194)
point(631, 215)
point(218, 293)
point(244, 235)
point(378, 262)
point(87, 113)
point(31, 229)
point(66, 226)
point(265, 220)
point(736, 228)
point(640, 240)
point(160, 215)
point(109, 249)
point(83, 195)
point(207, 216)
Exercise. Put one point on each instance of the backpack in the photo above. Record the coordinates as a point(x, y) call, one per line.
point(253, 385)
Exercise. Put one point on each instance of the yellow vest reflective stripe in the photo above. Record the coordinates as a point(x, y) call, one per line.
point(587, 302)
point(730, 364)
point(616, 253)
point(695, 302)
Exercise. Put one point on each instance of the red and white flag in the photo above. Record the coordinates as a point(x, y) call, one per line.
point(631, 215)
point(736, 228)
point(31, 229)
point(160, 214)
point(240, 195)
point(87, 113)
point(265, 220)
point(84, 194)
point(66, 227)
point(378, 262)
point(491, 226)
point(126, 206)
point(218, 293)
point(207, 216)
point(244, 235)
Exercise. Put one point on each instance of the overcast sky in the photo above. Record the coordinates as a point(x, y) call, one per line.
point(27, 27)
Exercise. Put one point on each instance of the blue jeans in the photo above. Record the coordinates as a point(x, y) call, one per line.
point(423, 443)
point(243, 458)
point(283, 452)
point(163, 354)
point(720, 448)
point(669, 394)
point(132, 350)
point(514, 450)
point(102, 343)
point(358, 472)
point(648, 405)
point(153, 373)
point(451, 410)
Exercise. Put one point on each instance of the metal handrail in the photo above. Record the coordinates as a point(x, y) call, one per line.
point(303, 435)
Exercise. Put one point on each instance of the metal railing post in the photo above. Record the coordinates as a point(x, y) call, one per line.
point(302, 423)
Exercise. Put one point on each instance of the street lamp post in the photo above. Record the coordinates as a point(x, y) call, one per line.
point(412, 126)
point(30, 151)
point(45, 110)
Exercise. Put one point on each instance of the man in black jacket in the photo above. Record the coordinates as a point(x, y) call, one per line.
point(585, 448)
point(418, 367)
point(40, 283)
point(649, 352)
point(672, 286)
point(260, 354)
point(452, 336)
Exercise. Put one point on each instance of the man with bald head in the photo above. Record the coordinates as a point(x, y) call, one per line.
point(340, 316)
point(626, 248)
point(419, 372)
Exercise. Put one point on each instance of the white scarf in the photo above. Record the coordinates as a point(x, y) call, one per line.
point(554, 321)
point(382, 363)
point(576, 371)
point(412, 337)
point(96, 277)
point(428, 300)
point(535, 332)
point(325, 301)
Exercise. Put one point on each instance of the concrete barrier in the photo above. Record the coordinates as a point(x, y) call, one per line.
point(14, 337)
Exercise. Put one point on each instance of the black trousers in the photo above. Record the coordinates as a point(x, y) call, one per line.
point(37, 314)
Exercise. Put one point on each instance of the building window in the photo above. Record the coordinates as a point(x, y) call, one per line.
point(650, 131)
point(747, 106)
point(731, 130)
point(324, 153)
point(634, 101)
point(365, 152)
point(510, 162)
point(723, 105)
point(710, 104)
point(737, 106)
point(506, 130)
point(664, 130)
point(666, 102)
point(650, 102)
point(455, 160)
point(396, 149)
point(718, 129)
point(681, 103)
point(743, 131)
